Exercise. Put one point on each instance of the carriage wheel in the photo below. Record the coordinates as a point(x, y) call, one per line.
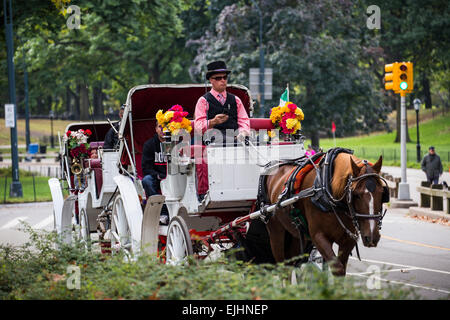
point(179, 244)
point(83, 229)
point(120, 231)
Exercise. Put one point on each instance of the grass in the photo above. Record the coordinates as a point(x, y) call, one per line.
point(32, 191)
point(37, 270)
point(38, 129)
point(434, 132)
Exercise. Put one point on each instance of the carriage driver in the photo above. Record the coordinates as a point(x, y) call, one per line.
point(111, 138)
point(218, 109)
point(154, 167)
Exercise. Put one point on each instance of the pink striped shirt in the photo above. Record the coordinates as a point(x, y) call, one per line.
point(202, 107)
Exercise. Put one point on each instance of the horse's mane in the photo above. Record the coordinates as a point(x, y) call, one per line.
point(342, 169)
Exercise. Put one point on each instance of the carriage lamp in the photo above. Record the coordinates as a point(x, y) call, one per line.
point(167, 143)
point(417, 104)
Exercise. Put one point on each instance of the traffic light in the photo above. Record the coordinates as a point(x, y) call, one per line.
point(399, 77)
point(391, 76)
point(406, 83)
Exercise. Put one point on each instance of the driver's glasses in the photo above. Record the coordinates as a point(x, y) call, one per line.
point(220, 78)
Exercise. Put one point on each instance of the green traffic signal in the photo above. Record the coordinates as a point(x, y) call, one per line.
point(403, 85)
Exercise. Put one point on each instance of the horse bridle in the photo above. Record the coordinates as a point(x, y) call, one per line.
point(354, 215)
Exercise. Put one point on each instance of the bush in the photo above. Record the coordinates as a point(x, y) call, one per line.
point(38, 270)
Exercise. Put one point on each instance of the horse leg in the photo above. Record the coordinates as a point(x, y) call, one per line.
point(325, 248)
point(344, 252)
point(276, 235)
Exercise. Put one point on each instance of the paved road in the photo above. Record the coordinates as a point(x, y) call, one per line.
point(411, 253)
point(413, 178)
point(38, 215)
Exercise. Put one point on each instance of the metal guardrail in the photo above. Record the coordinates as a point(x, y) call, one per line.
point(433, 196)
point(392, 183)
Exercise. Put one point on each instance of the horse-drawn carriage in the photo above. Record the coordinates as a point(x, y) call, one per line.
point(211, 190)
point(106, 194)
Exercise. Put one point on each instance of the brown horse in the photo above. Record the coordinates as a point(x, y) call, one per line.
point(357, 184)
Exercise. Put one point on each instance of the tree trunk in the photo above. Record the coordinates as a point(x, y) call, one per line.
point(315, 140)
point(68, 102)
point(98, 102)
point(77, 101)
point(84, 103)
point(40, 106)
point(49, 104)
point(426, 91)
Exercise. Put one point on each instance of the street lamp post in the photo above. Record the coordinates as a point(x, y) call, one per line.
point(51, 115)
point(261, 61)
point(16, 186)
point(417, 103)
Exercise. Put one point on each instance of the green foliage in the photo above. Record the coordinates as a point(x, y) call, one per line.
point(320, 48)
point(37, 270)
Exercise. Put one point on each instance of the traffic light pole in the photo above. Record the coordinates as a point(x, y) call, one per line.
point(403, 187)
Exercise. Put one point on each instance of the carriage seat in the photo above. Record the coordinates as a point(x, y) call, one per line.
point(96, 144)
point(261, 124)
point(96, 166)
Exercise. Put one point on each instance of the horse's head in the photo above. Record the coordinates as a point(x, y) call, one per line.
point(365, 200)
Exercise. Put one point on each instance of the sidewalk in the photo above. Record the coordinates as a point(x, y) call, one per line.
point(414, 177)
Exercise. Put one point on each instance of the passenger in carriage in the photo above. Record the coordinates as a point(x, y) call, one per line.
point(154, 167)
point(111, 138)
point(218, 109)
point(93, 154)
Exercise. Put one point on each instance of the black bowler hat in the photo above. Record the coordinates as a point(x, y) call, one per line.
point(216, 67)
point(431, 148)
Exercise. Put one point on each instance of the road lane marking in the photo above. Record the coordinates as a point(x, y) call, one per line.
point(14, 222)
point(383, 271)
point(402, 283)
point(44, 223)
point(402, 265)
point(415, 243)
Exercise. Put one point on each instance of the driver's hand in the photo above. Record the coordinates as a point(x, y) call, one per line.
point(220, 118)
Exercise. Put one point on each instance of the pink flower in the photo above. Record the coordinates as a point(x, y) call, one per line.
point(177, 116)
point(176, 107)
point(292, 107)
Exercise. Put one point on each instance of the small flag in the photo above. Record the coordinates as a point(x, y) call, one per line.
point(284, 97)
point(333, 127)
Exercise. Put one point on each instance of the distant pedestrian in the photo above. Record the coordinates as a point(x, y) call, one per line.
point(432, 166)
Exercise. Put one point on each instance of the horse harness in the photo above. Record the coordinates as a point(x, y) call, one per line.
point(320, 192)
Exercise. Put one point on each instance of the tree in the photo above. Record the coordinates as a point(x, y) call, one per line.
point(318, 47)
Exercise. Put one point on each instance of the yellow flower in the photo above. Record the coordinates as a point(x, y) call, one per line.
point(285, 109)
point(168, 116)
point(291, 123)
point(186, 124)
point(297, 127)
point(160, 117)
point(275, 114)
point(271, 133)
point(299, 114)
